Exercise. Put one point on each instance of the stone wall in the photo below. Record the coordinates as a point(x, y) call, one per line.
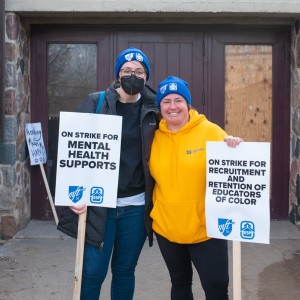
point(14, 161)
point(295, 129)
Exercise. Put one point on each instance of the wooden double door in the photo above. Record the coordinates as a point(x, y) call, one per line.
point(239, 78)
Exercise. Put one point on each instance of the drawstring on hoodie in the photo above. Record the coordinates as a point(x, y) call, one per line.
point(177, 146)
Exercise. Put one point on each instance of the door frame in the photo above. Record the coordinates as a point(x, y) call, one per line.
point(279, 39)
point(215, 39)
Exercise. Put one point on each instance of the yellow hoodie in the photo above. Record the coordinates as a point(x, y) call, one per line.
point(178, 165)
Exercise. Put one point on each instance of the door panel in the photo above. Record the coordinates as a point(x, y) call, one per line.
point(170, 53)
point(248, 92)
point(71, 74)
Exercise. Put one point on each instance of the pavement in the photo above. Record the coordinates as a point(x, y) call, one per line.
point(38, 263)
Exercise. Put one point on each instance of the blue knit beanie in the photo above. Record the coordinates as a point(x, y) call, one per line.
point(129, 55)
point(173, 85)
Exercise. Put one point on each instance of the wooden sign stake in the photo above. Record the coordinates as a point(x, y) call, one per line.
point(79, 256)
point(237, 278)
point(49, 194)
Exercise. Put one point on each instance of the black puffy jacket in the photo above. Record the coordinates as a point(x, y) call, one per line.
point(96, 216)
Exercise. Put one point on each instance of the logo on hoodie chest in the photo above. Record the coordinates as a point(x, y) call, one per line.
point(192, 151)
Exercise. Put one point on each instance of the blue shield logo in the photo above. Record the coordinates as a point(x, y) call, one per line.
point(96, 195)
point(225, 226)
point(75, 193)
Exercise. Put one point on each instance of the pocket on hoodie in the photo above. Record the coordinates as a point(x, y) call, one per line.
point(179, 223)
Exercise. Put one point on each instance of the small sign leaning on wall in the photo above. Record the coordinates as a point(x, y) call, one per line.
point(35, 142)
point(38, 155)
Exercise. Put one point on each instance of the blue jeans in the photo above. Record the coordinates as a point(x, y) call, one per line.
point(124, 237)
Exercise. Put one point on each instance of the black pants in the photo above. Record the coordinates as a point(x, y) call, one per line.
point(210, 259)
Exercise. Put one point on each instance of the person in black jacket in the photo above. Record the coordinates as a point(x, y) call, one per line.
point(120, 233)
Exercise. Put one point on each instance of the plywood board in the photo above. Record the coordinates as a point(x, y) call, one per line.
point(248, 92)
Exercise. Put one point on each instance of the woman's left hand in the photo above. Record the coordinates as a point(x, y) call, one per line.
point(232, 141)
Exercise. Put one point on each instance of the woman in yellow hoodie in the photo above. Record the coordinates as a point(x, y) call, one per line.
point(178, 165)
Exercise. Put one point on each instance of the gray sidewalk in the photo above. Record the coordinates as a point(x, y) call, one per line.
point(39, 264)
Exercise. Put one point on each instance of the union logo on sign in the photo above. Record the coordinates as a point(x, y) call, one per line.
point(96, 195)
point(247, 230)
point(75, 193)
point(225, 226)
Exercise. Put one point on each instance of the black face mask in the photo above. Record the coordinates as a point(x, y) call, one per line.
point(132, 85)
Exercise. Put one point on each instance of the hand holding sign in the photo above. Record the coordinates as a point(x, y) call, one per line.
point(79, 209)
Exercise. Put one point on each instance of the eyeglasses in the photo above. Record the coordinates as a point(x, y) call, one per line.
point(128, 72)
